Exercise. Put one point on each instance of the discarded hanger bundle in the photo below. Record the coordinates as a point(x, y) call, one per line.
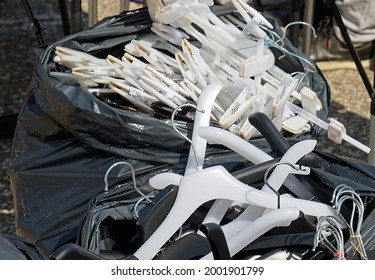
point(178, 60)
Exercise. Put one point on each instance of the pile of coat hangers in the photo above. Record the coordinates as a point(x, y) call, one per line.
point(232, 50)
point(230, 79)
point(301, 223)
point(262, 209)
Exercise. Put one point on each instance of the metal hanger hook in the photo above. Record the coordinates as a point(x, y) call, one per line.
point(329, 225)
point(269, 169)
point(106, 185)
point(300, 23)
point(180, 133)
point(339, 190)
point(135, 208)
point(279, 44)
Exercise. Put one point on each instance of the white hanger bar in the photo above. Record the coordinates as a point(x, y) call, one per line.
point(205, 103)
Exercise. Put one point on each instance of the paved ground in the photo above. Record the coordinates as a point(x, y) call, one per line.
point(350, 100)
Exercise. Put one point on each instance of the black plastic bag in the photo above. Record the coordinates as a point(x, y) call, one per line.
point(66, 139)
point(17, 248)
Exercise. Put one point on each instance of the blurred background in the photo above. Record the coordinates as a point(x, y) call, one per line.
point(350, 100)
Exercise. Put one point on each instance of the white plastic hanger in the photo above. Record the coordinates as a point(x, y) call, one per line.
point(241, 105)
point(67, 56)
point(179, 14)
point(169, 33)
point(216, 183)
point(252, 26)
point(169, 82)
point(157, 59)
point(165, 90)
point(256, 64)
point(183, 15)
point(84, 82)
point(197, 65)
point(277, 178)
point(137, 97)
point(198, 148)
point(202, 118)
point(277, 218)
point(283, 93)
point(96, 70)
point(241, 234)
point(170, 101)
point(125, 70)
point(322, 208)
point(202, 131)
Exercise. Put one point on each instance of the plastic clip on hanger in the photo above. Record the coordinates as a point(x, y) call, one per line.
point(286, 88)
point(139, 66)
point(197, 65)
point(308, 98)
point(166, 91)
point(319, 122)
point(97, 71)
point(256, 64)
point(241, 105)
point(333, 126)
